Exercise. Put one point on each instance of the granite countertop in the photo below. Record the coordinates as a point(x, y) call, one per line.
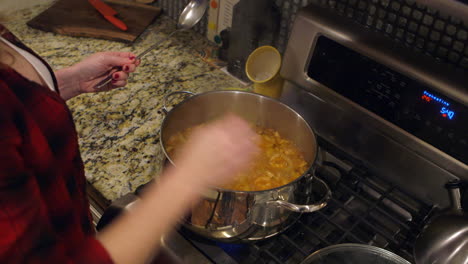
point(119, 130)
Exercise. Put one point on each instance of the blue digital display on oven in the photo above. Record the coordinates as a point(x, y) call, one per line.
point(447, 113)
point(435, 98)
point(414, 106)
point(445, 110)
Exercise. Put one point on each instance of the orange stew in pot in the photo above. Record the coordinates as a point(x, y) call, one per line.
point(278, 163)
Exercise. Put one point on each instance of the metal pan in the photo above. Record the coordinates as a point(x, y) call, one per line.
point(353, 254)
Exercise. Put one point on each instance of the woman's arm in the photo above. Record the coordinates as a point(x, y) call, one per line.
point(212, 156)
point(30, 225)
point(25, 231)
point(83, 76)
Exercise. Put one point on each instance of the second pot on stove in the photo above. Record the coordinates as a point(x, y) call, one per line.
point(228, 215)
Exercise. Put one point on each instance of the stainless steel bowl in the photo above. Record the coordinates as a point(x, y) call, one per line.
point(353, 254)
point(229, 215)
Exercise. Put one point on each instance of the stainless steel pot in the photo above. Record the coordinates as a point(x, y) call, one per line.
point(228, 215)
point(353, 254)
point(445, 238)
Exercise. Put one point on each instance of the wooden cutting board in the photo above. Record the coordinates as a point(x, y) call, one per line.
point(79, 18)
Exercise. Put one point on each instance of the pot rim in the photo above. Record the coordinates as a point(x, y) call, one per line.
point(307, 172)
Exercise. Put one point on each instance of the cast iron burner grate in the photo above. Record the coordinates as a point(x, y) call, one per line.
point(364, 209)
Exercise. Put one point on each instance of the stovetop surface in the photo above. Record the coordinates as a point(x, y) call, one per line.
point(364, 209)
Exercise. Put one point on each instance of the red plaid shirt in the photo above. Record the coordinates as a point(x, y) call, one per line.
point(44, 211)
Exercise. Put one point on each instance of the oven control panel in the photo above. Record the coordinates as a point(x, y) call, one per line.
point(408, 103)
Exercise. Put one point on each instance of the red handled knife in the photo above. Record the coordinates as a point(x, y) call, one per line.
point(108, 13)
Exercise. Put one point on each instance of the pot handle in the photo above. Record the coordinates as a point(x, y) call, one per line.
point(169, 95)
point(306, 208)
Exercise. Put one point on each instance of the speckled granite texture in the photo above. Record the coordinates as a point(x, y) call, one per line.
point(118, 130)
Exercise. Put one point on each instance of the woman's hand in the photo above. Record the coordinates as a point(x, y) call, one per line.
point(212, 155)
point(83, 76)
point(216, 152)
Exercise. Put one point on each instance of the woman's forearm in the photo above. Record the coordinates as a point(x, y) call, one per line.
point(135, 236)
point(68, 84)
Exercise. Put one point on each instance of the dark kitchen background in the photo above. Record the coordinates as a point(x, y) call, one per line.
point(421, 28)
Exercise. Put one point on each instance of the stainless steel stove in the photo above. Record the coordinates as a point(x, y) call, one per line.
point(392, 130)
point(364, 209)
point(402, 114)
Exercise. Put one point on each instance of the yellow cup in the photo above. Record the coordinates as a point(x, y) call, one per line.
point(262, 68)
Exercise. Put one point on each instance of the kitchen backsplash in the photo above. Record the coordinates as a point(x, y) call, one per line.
point(173, 8)
point(288, 10)
point(422, 29)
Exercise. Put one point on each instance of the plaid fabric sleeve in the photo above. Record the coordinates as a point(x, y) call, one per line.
point(27, 233)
